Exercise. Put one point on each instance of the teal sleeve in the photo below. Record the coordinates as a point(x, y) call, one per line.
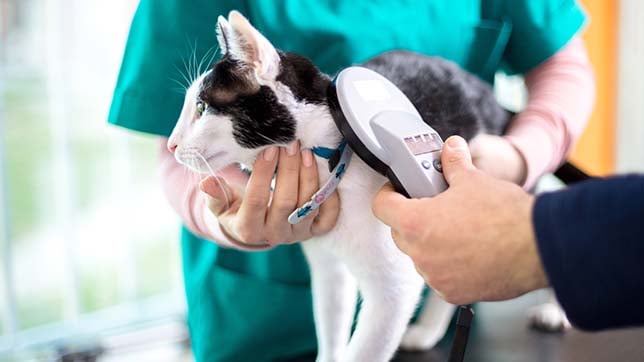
point(539, 29)
point(167, 40)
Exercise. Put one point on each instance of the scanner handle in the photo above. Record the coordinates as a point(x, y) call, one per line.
point(413, 150)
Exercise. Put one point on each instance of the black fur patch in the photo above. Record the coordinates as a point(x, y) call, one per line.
point(260, 120)
point(304, 79)
point(228, 80)
point(257, 116)
point(449, 99)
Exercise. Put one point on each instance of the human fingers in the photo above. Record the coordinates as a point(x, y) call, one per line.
point(485, 154)
point(328, 216)
point(498, 157)
point(477, 146)
point(388, 206)
point(219, 195)
point(285, 195)
point(406, 245)
point(308, 185)
point(234, 175)
point(251, 216)
point(456, 159)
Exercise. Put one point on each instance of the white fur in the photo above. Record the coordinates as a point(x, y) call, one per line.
point(223, 32)
point(548, 317)
point(237, 37)
point(358, 254)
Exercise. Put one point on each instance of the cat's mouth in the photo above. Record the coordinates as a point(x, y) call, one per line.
point(203, 163)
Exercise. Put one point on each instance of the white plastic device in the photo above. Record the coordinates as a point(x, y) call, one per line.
point(384, 128)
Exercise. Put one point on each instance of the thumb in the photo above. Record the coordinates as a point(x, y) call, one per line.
point(388, 206)
point(456, 159)
point(218, 194)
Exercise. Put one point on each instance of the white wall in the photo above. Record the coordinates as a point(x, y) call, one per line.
point(630, 101)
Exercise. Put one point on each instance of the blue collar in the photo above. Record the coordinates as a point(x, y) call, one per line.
point(331, 154)
point(338, 162)
point(325, 152)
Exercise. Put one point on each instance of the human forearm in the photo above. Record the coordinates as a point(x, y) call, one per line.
point(561, 94)
point(591, 242)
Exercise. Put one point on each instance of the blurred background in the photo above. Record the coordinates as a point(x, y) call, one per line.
point(88, 246)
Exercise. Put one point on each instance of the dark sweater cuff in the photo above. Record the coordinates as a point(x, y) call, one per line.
point(591, 242)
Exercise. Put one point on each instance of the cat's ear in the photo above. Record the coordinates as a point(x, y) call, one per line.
point(224, 33)
point(249, 46)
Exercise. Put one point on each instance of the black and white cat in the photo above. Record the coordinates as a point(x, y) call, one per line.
point(257, 96)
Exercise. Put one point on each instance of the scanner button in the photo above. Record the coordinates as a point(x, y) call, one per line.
point(426, 164)
point(438, 165)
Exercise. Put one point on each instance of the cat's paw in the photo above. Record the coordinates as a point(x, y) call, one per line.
point(548, 317)
point(323, 359)
point(326, 359)
point(336, 356)
point(420, 338)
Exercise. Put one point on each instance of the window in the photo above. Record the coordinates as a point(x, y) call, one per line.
point(84, 228)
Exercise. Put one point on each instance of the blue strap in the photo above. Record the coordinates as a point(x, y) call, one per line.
point(333, 155)
point(323, 152)
point(329, 186)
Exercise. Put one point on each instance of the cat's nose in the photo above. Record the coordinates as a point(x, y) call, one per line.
point(172, 147)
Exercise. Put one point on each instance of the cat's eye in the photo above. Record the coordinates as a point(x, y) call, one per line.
point(201, 107)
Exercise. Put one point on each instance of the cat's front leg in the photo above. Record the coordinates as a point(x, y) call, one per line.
point(390, 297)
point(431, 326)
point(334, 300)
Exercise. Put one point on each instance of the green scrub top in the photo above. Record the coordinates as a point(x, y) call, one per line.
point(256, 306)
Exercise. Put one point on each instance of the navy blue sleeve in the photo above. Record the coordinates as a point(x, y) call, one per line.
point(591, 241)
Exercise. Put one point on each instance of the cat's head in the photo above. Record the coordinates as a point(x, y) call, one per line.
point(253, 97)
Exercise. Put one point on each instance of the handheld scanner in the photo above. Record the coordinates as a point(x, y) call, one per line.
point(386, 131)
point(415, 167)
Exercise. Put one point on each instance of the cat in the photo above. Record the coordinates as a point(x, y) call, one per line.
point(256, 96)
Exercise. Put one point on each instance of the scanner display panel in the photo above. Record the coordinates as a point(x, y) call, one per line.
point(423, 143)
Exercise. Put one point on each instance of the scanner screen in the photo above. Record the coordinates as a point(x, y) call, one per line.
point(371, 90)
point(423, 143)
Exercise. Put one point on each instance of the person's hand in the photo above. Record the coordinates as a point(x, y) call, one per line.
point(254, 215)
point(472, 242)
point(497, 157)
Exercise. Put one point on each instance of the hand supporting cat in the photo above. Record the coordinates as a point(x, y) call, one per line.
point(247, 216)
point(497, 157)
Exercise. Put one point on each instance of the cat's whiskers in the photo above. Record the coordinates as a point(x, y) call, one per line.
point(191, 158)
point(271, 140)
point(182, 87)
point(183, 75)
point(193, 63)
point(207, 59)
point(186, 72)
point(187, 172)
point(192, 174)
point(192, 69)
point(188, 62)
point(212, 173)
